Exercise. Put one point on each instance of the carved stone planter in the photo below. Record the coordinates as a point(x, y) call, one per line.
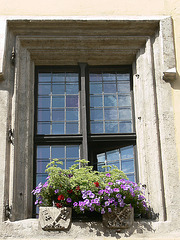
point(119, 218)
point(52, 218)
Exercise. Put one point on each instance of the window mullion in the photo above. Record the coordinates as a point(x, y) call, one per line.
point(83, 102)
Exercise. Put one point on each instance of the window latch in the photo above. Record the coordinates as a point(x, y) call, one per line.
point(13, 56)
point(11, 135)
point(8, 211)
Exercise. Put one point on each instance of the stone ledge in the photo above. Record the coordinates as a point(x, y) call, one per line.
point(88, 231)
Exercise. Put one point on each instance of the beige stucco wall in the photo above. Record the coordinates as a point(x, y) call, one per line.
point(107, 8)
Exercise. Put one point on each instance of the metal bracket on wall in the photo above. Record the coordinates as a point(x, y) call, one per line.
point(11, 135)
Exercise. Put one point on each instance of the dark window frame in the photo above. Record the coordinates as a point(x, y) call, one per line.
point(88, 142)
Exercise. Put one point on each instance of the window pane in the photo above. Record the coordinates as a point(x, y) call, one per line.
point(43, 128)
point(58, 152)
point(101, 158)
point(72, 77)
point(58, 101)
point(127, 166)
point(71, 128)
point(95, 88)
point(97, 127)
point(95, 77)
point(44, 89)
point(97, 114)
point(96, 101)
point(113, 155)
point(44, 102)
point(125, 127)
point(58, 77)
point(43, 152)
point(72, 101)
point(124, 113)
point(127, 152)
point(41, 166)
point(124, 100)
point(109, 88)
point(72, 151)
point(44, 77)
point(72, 114)
point(58, 115)
point(41, 178)
point(43, 115)
point(72, 88)
point(123, 77)
point(69, 163)
point(109, 77)
point(57, 128)
point(58, 88)
point(111, 127)
point(124, 87)
point(110, 100)
point(131, 177)
point(110, 113)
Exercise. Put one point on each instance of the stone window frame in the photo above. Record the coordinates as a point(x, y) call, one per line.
point(146, 43)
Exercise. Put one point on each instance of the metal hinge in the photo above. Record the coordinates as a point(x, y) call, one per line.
point(13, 56)
point(8, 211)
point(11, 135)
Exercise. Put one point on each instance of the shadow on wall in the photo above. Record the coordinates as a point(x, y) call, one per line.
point(97, 229)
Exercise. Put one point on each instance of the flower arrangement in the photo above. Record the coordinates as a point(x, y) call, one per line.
point(86, 190)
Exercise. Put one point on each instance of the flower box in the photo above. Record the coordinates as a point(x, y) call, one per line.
point(120, 218)
point(53, 218)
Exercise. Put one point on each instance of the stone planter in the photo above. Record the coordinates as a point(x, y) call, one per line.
point(53, 218)
point(119, 218)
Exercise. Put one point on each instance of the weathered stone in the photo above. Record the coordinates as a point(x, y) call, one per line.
point(52, 218)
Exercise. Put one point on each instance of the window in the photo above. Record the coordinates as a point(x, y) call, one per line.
point(84, 112)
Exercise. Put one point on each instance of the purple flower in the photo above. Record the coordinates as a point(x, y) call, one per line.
point(105, 197)
point(56, 191)
point(47, 177)
point(86, 201)
point(109, 210)
point(91, 209)
point(116, 189)
point(45, 184)
point(75, 204)
point(118, 195)
point(82, 208)
point(68, 200)
point(108, 175)
point(101, 192)
point(107, 203)
point(92, 195)
point(102, 211)
point(110, 183)
point(36, 202)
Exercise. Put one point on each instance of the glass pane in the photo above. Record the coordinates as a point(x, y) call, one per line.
point(124, 77)
point(41, 166)
point(127, 166)
point(57, 152)
point(43, 128)
point(110, 100)
point(101, 158)
point(43, 152)
point(127, 152)
point(71, 77)
point(124, 87)
point(111, 127)
point(95, 77)
point(58, 101)
point(41, 178)
point(57, 128)
point(72, 152)
point(125, 127)
point(43, 102)
point(72, 88)
point(95, 88)
point(112, 155)
point(124, 100)
point(124, 113)
point(109, 77)
point(115, 163)
point(71, 128)
point(110, 113)
point(58, 77)
point(131, 177)
point(109, 88)
point(96, 101)
point(72, 114)
point(69, 163)
point(72, 101)
point(97, 114)
point(44, 89)
point(58, 88)
point(58, 115)
point(44, 77)
point(97, 127)
point(43, 115)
